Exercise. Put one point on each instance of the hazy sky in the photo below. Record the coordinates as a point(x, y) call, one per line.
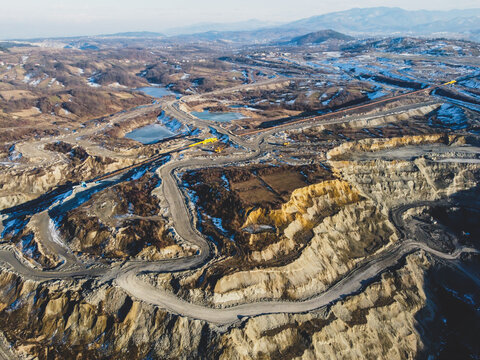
point(32, 18)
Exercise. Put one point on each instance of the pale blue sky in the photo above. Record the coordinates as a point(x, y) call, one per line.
point(32, 18)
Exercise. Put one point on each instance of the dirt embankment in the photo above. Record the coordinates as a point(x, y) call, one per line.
point(20, 185)
point(121, 222)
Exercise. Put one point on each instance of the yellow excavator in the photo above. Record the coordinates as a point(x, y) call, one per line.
point(204, 142)
point(451, 82)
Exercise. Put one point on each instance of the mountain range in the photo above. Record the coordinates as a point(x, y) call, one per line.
point(386, 20)
point(357, 22)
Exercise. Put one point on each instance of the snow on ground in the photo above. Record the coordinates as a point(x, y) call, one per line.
point(14, 155)
point(117, 85)
point(55, 235)
point(377, 93)
point(226, 183)
point(27, 78)
point(92, 81)
point(471, 83)
point(451, 116)
point(172, 124)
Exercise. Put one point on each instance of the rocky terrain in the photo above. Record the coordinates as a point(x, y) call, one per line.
point(334, 217)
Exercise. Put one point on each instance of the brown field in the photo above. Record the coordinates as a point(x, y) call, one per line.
point(27, 112)
point(9, 95)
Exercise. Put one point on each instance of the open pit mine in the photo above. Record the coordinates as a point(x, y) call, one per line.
point(274, 201)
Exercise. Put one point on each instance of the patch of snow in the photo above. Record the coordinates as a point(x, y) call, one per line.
point(27, 78)
point(226, 183)
point(35, 83)
point(55, 235)
point(376, 94)
point(14, 155)
point(451, 117)
point(173, 124)
point(92, 81)
point(117, 85)
point(471, 83)
point(137, 175)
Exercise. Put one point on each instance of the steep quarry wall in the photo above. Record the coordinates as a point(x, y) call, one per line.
point(380, 323)
point(19, 186)
point(339, 242)
point(347, 220)
point(72, 320)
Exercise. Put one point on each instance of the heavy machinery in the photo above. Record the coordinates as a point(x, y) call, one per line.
point(204, 142)
point(220, 148)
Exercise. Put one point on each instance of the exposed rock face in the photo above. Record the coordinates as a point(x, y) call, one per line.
point(392, 183)
point(19, 186)
point(344, 227)
point(347, 149)
point(379, 323)
point(32, 245)
point(59, 320)
point(329, 228)
point(398, 181)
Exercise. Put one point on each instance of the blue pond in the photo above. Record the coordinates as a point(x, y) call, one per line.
point(157, 91)
point(217, 116)
point(150, 134)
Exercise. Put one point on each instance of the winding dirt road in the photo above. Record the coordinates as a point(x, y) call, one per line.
point(126, 276)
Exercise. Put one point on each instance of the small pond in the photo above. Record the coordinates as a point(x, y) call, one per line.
point(150, 134)
point(217, 116)
point(157, 91)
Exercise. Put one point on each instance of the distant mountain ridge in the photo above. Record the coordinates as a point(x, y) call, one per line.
point(360, 22)
point(319, 37)
point(363, 22)
point(248, 25)
point(386, 21)
point(136, 34)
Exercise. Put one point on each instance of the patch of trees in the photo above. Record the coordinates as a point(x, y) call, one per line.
point(159, 73)
point(17, 105)
point(59, 146)
point(119, 75)
point(216, 64)
point(181, 86)
point(86, 102)
point(205, 84)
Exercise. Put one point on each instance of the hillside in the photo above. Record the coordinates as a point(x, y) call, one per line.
point(319, 37)
point(386, 20)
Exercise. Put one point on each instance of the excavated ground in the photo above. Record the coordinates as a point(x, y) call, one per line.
point(120, 222)
point(280, 231)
